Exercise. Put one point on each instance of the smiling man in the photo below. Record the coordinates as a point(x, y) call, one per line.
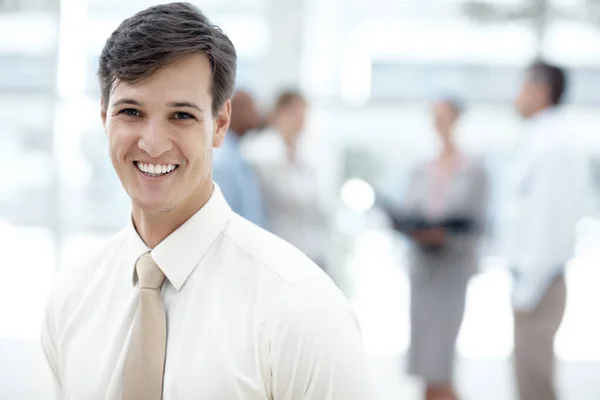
point(189, 300)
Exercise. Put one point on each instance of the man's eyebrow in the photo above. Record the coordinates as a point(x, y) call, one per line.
point(176, 104)
point(127, 101)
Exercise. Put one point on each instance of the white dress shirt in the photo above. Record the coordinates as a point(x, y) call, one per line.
point(549, 192)
point(290, 194)
point(248, 317)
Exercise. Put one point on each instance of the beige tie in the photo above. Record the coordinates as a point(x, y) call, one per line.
point(145, 364)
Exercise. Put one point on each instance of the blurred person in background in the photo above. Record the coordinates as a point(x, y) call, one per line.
point(288, 182)
point(547, 196)
point(231, 171)
point(190, 300)
point(442, 259)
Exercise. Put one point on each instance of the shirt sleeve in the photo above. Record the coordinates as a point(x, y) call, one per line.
point(481, 200)
point(48, 339)
point(412, 200)
point(316, 350)
point(552, 211)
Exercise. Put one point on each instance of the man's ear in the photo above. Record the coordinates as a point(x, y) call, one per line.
point(222, 122)
point(103, 106)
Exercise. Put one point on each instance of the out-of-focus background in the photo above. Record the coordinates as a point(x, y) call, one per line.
point(369, 69)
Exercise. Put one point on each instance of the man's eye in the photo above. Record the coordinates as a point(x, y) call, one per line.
point(182, 115)
point(132, 112)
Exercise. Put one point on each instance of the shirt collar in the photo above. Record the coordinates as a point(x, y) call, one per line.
point(543, 117)
point(180, 252)
point(543, 127)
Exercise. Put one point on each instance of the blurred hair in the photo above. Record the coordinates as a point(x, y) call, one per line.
point(287, 97)
point(161, 35)
point(552, 76)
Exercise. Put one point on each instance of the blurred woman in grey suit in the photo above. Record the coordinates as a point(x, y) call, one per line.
point(452, 187)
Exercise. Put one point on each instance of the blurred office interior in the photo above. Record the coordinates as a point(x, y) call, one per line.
point(369, 69)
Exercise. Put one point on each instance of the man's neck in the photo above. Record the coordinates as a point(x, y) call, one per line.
point(153, 228)
point(291, 147)
point(449, 150)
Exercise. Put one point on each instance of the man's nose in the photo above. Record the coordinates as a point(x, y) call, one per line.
point(155, 139)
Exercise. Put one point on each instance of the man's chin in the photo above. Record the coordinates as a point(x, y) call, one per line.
point(152, 206)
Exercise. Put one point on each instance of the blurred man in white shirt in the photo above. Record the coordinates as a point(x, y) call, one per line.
point(287, 179)
point(546, 199)
point(190, 300)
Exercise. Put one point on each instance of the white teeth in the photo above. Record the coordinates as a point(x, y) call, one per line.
point(155, 169)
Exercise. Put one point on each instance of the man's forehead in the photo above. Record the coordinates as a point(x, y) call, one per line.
point(166, 95)
point(191, 75)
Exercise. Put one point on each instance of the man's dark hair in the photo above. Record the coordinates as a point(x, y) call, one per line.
point(552, 76)
point(161, 35)
point(287, 97)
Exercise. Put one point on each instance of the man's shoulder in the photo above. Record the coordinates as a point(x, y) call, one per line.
point(559, 150)
point(301, 290)
point(270, 253)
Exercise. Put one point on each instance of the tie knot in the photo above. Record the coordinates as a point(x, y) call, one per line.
point(149, 274)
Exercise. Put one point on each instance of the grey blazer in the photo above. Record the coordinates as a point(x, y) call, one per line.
point(467, 197)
